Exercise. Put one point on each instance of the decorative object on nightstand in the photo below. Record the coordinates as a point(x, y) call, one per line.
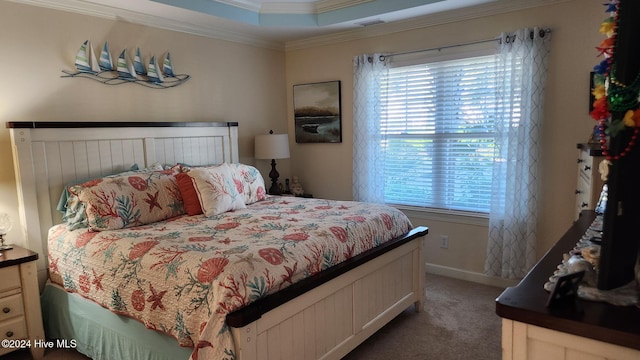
point(5, 226)
point(287, 187)
point(272, 146)
point(20, 318)
point(296, 187)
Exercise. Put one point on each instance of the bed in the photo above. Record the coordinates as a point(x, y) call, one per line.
point(320, 303)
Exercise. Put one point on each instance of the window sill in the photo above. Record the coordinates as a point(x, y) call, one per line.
point(458, 217)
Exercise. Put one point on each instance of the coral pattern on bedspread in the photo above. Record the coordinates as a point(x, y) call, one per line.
point(183, 275)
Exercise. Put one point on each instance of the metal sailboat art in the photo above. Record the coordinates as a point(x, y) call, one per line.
point(154, 73)
point(106, 61)
point(102, 69)
point(86, 58)
point(124, 67)
point(138, 65)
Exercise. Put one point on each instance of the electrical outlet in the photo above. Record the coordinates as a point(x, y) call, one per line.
point(444, 241)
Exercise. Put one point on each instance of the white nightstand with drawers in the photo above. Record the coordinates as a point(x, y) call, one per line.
point(20, 312)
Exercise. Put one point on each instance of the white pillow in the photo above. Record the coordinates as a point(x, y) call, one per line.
point(216, 190)
point(249, 182)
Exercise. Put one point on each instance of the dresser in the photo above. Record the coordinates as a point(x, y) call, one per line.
point(589, 185)
point(532, 331)
point(20, 314)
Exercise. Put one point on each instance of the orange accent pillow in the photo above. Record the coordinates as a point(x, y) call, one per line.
point(189, 194)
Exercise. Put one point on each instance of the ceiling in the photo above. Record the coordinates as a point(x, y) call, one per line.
point(285, 23)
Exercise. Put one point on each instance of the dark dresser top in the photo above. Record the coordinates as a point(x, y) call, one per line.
point(527, 301)
point(17, 255)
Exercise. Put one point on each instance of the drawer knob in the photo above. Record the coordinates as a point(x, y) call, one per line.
point(580, 161)
point(587, 168)
point(578, 192)
point(584, 205)
point(6, 310)
point(9, 333)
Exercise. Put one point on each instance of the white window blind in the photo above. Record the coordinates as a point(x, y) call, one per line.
point(438, 129)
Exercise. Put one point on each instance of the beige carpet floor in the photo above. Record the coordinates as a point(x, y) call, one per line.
point(458, 323)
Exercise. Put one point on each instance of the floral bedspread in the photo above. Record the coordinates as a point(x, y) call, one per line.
point(182, 276)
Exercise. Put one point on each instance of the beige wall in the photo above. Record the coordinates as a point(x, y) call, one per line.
point(325, 169)
point(229, 82)
point(253, 86)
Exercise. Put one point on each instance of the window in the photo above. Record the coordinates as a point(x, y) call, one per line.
point(437, 128)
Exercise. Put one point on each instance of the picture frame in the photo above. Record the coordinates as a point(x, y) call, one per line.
point(565, 292)
point(317, 112)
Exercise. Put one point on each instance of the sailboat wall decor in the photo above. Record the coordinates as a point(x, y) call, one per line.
point(106, 61)
point(124, 70)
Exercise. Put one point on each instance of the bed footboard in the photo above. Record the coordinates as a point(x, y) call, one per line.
point(334, 318)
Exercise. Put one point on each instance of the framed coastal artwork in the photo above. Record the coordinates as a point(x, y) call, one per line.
point(317, 112)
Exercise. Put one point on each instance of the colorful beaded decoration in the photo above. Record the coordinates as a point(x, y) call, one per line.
point(612, 95)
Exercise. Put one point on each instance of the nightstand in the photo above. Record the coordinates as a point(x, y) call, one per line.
point(20, 313)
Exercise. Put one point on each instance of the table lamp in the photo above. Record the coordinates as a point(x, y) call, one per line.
point(272, 146)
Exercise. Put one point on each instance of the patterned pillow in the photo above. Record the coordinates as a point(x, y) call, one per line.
point(73, 210)
point(216, 189)
point(74, 215)
point(249, 182)
point(130, 200)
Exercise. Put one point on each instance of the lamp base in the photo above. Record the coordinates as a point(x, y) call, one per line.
point(274, 189)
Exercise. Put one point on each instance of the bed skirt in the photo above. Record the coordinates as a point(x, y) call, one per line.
point(100, 334)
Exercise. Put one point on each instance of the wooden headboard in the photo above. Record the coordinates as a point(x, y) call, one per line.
point(48, 155)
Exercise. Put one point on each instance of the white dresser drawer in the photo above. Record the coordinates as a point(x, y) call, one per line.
point(589, 183)
point(9, 278)
point(13, 328)
point(586, 170)
point(11, 306)
point(20, 317)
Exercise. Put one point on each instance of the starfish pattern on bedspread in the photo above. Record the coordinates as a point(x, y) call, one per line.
point(182, 276)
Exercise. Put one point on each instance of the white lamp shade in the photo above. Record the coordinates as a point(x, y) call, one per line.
point(272, 146)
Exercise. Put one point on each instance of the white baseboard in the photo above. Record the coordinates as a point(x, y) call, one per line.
point(469, 276)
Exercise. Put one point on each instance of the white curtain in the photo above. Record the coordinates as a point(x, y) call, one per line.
point(368, 155)
point(511, 250)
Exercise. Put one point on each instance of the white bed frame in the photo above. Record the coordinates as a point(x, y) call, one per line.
point(326, 322)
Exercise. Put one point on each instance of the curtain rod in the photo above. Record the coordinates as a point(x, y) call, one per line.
point(383, 57)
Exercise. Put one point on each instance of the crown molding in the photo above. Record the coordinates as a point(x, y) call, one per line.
point(441, 18)
point(332, 5)
point(115, 14)
point(221, 32)
point(242, 4)
point(290, 7)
